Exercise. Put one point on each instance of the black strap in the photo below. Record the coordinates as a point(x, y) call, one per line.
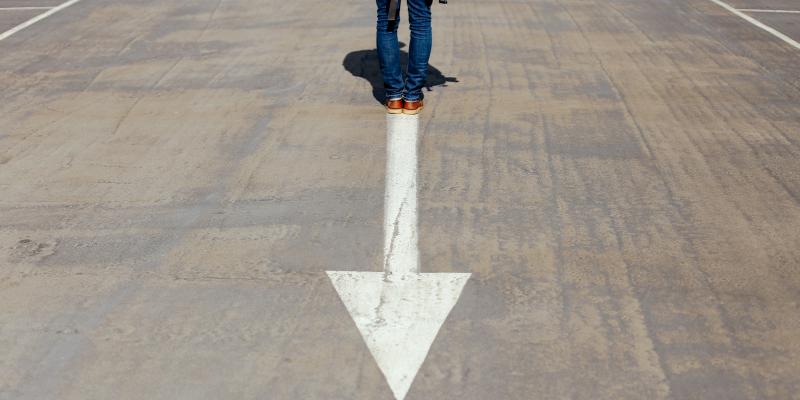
point(393, 8)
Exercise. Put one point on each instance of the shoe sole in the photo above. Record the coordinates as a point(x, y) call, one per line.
point(412, 112)
point(394, 110)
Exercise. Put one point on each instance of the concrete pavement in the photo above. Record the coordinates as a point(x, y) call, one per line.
point(620, 177)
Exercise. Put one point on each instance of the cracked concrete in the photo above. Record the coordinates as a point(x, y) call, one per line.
point(396, 232)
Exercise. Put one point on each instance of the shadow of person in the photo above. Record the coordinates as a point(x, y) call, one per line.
point(365, 64)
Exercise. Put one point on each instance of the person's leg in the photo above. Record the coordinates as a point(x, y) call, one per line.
point(389, 52)
point(419, 18)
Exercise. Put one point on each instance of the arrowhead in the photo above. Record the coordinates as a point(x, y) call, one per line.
point(398, 316)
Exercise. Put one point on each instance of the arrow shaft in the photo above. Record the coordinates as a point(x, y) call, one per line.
point(400, 220)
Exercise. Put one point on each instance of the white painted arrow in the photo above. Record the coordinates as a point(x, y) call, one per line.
point(399, 311)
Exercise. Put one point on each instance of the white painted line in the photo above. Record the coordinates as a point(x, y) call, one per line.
point(758, 23)
point(401, 254)
point(750, 10)
point(24, 8)
point(8, 33)
point(399, 311)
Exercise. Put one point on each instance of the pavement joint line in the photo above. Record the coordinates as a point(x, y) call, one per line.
point(755, 10)
point(51, 11)
point(24, 8)
point(757, 23)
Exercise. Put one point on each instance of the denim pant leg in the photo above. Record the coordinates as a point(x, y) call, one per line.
point(389, 51)
point(419, 52)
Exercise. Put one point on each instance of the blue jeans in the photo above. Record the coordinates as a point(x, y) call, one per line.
point(419, 16)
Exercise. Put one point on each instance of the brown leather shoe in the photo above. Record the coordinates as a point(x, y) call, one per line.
point(394, 106)
point(412, 107)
